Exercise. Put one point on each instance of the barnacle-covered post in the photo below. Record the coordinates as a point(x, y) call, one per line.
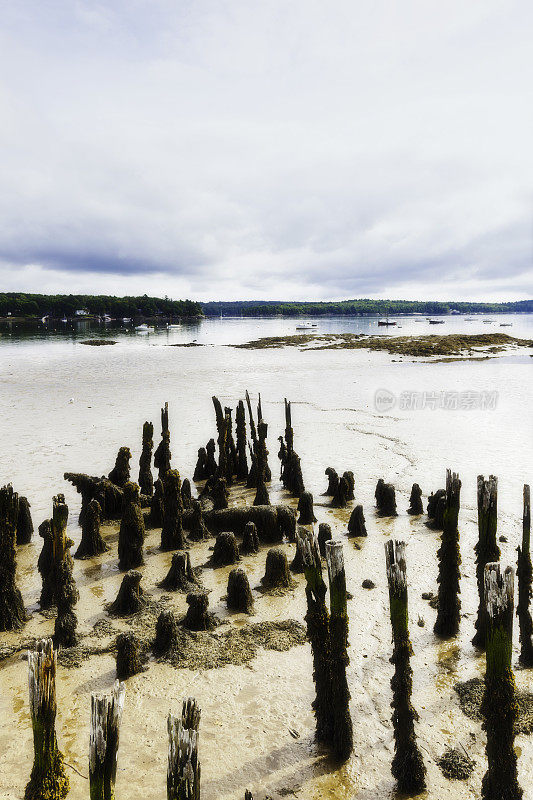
point(240, 420)
point(162, 455)
point(487, 549)
point(91, 543)
point(524, 573)
point(132, 530)
point(12, 614)
point(183, 775)
point(24, 522)
point(223, 427)
point(499, 706)
point(261, 460)
point(48, 780)
point(65, 592)
point(106, 715)
point(120, 474)
point(317, 619)
point(415, 500)
point(407, 765)
point(146, 479)
point(172, 531)
point(449, 555)
point(342, 741)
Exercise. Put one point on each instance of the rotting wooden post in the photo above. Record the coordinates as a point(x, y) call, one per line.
point(499, 706)
point(48, 780)
point(525, 575)
point(106, 714)
point(317, 619)
point(132, 531)
point(146, 479)
point(183, 775)
point(120, 474)
point(240, 420)
point(487, 549)
point(92, 543)
point(24, 522)
point(449, 555)
point(162, 455)
point(407, 765)
point(338, 627)
point(12, 614)
point(172, 537)
point(253, 431)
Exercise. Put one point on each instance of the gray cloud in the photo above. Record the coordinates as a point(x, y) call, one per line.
point(295, 150)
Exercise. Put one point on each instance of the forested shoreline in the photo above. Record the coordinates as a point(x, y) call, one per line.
point(21, 304)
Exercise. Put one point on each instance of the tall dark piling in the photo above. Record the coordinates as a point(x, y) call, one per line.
point(324, 535)
point(218, 492)
point(499, 706)
point(435, 509)
point(350, 480)
point(162, 455)
point(242, 463)
point(172, 531)
point(92, 543)
point(416, 505)
point(223, 421)
point(65, 592)
point(317, 620)
point(183, 774)
point(340, 498)
point(120, 474)
point(186, 493)
point(449, 557)
point(239, 596)
point(106, 716)
point(407, 765)
point(487, 549)
point(342, 741)
point(250, 539)
point(226, 550)
point(181, 576)
point(130, 598)
point(525, 575)
point(166, 633)
point(146, 479)
point(200, 470)
point(45, 565)
point(48, 780)
point(157, 505)
point(211, 465)
point(261, 460)
point(277, 573)
point(385, 495)
point(197, 527)
point(24, 522)
point(356, 523)
point(305, 509)
point(333, 482)
point(132, 530)
point(198, 616)
point(12, 614)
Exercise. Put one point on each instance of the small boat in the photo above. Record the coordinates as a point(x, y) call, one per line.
point(305, 327)
point(126, 319)
point(169, 326)
point(144, 328)
point(506, 324)
point(436, 322)
point(469, 319)
point(488, 321)
point(385, 322)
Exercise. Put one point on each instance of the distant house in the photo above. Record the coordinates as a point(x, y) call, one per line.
point(82, 312)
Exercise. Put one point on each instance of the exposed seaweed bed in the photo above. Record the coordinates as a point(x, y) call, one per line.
point(467, 346)
point(98, 342)
point(470, 697)
point(456, 765)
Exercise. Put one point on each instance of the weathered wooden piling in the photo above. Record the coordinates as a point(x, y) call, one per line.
point(317, 620)
point(226, 550)
point(157, 505)
point(324, 535)
point(162, 455)
point(449, 557)
point(128, 661)
point(120, 474)
point(333, 482)
point(218, 492)
point(172, 537)
point(66, 593)
point(92, 543)
point(240, 421)
point(272, 522)
point(146, 479)
point(198, 617)
point(407, 765)
point(350, 480)
point(261, 460)
point(223, 421)
point(130, 597)
point(24, 522)
point(45, 565)
point(181, 576)
point(239, 596)
point(385, 495)
point(277, 573)
point(166, 633)
point(525, 575)
point(305, 509)
point(435, 509)
point(200, 471)
point(183, 774)
point(416, 505)
point(104, 735)
point(342, 741)
point(12, 614)
point(109, 496)
point(340, 498)
point(186, 493)
point(132, 530)
point(48, 780)
point(211, 465)
point(250, 539)
point(197, 530)
point(499, 706)
point(486, 548)
point(356, 523)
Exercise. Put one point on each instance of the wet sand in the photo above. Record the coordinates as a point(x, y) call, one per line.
point(251, 713)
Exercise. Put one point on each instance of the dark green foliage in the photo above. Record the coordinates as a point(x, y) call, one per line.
point(61, 305)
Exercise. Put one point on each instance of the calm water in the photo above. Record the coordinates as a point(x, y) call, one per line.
point(66, 406)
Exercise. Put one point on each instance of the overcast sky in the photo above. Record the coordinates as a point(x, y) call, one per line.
point(282, 149)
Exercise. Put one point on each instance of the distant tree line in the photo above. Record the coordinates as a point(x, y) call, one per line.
point(269, 308)
point(65, 305)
